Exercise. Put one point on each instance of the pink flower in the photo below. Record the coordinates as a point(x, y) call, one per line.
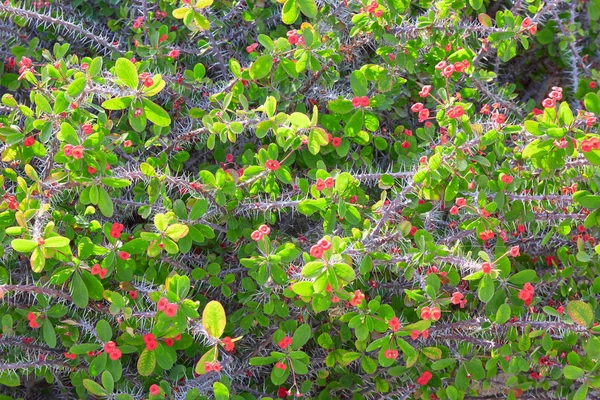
point(316, 251)
point(394, 324)
point(173, 53)
point(424, 378)
point(425, 90)
point(171, 310)
point(154, 390)
point(514, 251)
point(256, 235)
point(506, 179)
point(423, 115)
point(549, 103)
point(162, 304)
point(272, 165)
point(416, 107)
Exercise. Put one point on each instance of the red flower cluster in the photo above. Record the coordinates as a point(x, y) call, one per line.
point(360, 101)
point(322, 184)
point(116, 229)
point(590, 144)
point(285, 342)
point(415, 334)
point(170, 309)
point(458, 298)
point(29, 141)
point(526, 294)
point(486, 268)
point(214, 366)
point(261, 232)
point(318, 249)
point(486, 235)
point(150, 341)
point(272, 165)
point(113, 352)
point(554, 96)
point(252, 48)
point(391, 354)
point(281, 366)
point(425, 90)
point(98, 270)
point(456, 112)
point(394, 324)
point(73, 151)
point(424, 378)
point(432, 313)
point(31, 317)
point(154, 390)
point(228, 343)
point(357, 299)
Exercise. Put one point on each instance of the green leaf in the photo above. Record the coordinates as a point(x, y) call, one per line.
point(503, 314)
point(79, 292)
point(522, 277)
point(308, 8)
point(486, 288)
point(573, 372)
point(49, 334)
point(289, 13)
point(37, 260)
point(104, 331)
point(262, 66)
point(358, 82)
point(94, 388)
point(56, 241)
point(299, 119)
point(105, 203)
point(83, 348)
point(118, 103)
point(220, 391)
point(301, 336)
point(127, 72)
point(156, 113)
point(592, 103)
point(76, 87)
point(23, 245)
point(214, 319)
point(146, 363)
point(344, 271)
point(177, 231)
point(581, 313)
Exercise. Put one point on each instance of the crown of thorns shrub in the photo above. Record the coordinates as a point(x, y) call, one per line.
point(299, 199)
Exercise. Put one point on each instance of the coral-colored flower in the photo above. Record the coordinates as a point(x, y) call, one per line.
point(285, 342)
point(96, 269)
point(514, 251)
point(115, 354)
point(549, 103)
point(416, 107)
point(109, 346)
point(394, 324)
point(102, 273)
point(228, 343)
point(123, 255)
point(425, 90)
point(31, 316)
point(441, 65)
point(150, 346)
point(173, 53)
point(264, 229)
point(154, 390)
point(405, 144)
point(391, 354)
point(456, 298)
point(415, 334)
point(356, 102)
point(162, 304)
point(423, 115)
point(454, 210)
point(171, 310)
point(77, 152)
point(316, 251)
point(425, 313)
point(28, 142)
point(256, 235)
point(357, 299)
point(252, 48)
point(70, 356)
point(169, 342)
point(435, 313)
point(68, 150)
point(272, 165)
point(281, 366)
point(320, 184)
point(424, 378)
point(329, 182)
point(324, 243)
point(526, 22)
point(91, 170)
point(506, 179)
point(364, 101)
point(336, 142)
point(486, 268)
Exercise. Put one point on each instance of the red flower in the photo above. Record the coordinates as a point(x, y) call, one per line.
point(423, 115)
point(456, 298)
point(454, 210)
point(116, 229)
point(424, 378)
point(391, 354)
point(329, 182)
point(320, 185)
point(514, 251)
point(486, 268)
point(364, 101)
point(68, 150)
point(91, 170)
point(592, 85)
point(154, 390)
point(133, 294)
point(70, 356)
point(229, 345)
point(417, 107)
point(316, 251)
point(356, 102)
point(394, 324)
point(252, 48)
point(162, 304)
point(256, 235)
point(357, 299)
point(115, 354)
point(281, 366)
point(173, 53)
point(124, 255)
point(435, 313)
point(273, 165)
point(506, 179)
point(28, 142)
point(264, 229)
point(282, 393)
point(405, 144)
point(171, 310)
point(425, 90)
point(77, 152)
point(324, 243)
point(425, 313)
point(285, 342)
point(336, 142)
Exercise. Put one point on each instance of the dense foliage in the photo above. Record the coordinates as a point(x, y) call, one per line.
point(299, 198)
